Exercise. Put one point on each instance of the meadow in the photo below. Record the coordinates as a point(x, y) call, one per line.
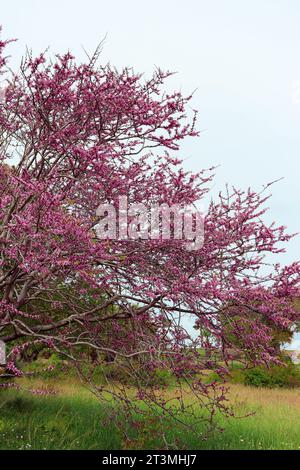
point(74, 419)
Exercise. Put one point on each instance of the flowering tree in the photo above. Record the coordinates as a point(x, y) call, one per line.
point(76, 136)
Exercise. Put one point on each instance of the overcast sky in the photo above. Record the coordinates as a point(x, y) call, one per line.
point(242, 57)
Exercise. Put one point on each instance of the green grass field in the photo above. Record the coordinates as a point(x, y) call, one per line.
point(74, 419)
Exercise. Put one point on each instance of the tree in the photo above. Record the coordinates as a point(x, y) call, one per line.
point(75, 136)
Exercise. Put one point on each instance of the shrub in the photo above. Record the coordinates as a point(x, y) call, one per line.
point(276, 376)
point(163, 377)
point(287, 375)
point(43, 367)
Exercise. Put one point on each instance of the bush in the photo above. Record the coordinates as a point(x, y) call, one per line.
point(43, 367)
point(276, 376)
point(287, 376)
point(162, 377)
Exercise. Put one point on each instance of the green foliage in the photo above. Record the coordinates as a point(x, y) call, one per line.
point(237, 376)
point(36, 422)
point(281, 376)
point(287, 376)
point(117, 372)
point(52, 367)
point(212, 377)
point(77, 421)
point(163, 377)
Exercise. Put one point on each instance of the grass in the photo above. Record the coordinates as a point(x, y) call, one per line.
point(74, 419)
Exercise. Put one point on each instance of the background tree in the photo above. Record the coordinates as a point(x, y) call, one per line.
point(74, 136)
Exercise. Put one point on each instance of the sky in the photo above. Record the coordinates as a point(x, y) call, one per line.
point(242, 58)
